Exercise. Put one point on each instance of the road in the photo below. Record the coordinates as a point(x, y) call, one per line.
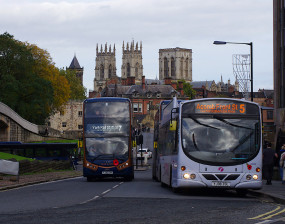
point(139, 201)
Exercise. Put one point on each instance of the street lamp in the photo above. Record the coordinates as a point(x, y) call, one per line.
point(251, 65)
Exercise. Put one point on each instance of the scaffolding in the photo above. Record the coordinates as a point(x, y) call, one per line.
point(241, 69)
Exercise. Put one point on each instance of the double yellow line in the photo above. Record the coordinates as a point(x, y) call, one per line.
point(270, 214)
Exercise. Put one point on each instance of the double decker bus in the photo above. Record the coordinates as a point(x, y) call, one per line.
point(107, 138)
point(214, 143)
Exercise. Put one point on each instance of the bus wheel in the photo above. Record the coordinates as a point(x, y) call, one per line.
point(128, 178)
point(241, 192)
point(89, 179)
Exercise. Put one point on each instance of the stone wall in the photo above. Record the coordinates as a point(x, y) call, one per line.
point(36, 166)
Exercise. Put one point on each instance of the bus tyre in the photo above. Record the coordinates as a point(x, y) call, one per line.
point(241, 192)
point(128, 178)
point(89, 179)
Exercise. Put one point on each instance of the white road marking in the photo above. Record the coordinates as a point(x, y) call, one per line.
point(101, 195)
point(105, 192)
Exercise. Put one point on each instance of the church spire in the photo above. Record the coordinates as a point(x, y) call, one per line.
point(106, 48)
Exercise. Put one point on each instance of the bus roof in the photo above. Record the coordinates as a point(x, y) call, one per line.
point(107, 99)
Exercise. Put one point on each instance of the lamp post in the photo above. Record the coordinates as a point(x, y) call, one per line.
point(251, 62)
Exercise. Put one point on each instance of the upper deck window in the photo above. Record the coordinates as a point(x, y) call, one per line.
point(107, 109)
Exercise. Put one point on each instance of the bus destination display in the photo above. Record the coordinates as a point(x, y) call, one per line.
point(211, 107)
point(103, 128)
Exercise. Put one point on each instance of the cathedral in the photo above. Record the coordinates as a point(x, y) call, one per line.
point(105, 68)
point(175, 63)
point(132, 62)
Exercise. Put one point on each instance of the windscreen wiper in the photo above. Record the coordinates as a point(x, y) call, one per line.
point(229, 123)
point(96, 157)
point(198, 122)
point(243, 141)
point(194, 141)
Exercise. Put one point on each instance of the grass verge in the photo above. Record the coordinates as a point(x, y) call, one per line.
point(8, 156)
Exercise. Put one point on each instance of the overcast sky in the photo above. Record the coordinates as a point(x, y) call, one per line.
point(69, 27)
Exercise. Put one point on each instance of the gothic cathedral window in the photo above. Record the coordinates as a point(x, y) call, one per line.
point(165, 67)
point(172, 67)
point(128, 70)
point(101, 72)
point(137, 70)
point(110, 71)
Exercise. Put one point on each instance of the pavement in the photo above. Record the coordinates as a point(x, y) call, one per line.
point(275, 192)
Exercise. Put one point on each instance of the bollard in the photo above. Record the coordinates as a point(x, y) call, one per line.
point(145, 159)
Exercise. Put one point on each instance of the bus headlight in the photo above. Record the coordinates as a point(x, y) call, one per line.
point(193, 176)
point(87, 164)
point(255, 176)
point(258, 169)
point(248, 177)
point(186, 176)
point(183, 168)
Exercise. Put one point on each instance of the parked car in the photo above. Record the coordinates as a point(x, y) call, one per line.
point(143, 152)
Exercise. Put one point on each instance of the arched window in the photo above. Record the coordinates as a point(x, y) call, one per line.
point(181, 68)
point(128, 70)
point(110, 71)
point(101, 72)
point(137, 70)
point(172, 67)
point(186, 67)
point(165, 67)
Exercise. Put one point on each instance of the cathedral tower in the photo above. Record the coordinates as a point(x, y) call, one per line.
point(105, 68)
point(175, 63)
point(132, 61)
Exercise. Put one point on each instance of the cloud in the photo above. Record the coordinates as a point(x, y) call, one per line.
point(67, 27)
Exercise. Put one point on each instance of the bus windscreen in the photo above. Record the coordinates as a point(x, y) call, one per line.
point(107, 109)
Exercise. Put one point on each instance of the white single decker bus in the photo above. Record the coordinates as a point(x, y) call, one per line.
point(210, 143)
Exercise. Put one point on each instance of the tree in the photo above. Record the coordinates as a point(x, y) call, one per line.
point(188, 90)
point(78, 92)
point(21, 88)
point(45, 68)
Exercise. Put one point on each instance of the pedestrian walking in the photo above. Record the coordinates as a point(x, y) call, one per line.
point(268, 162)
point(282, 163)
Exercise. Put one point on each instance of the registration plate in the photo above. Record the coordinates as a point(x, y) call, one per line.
point(220, 184)
point(107, 172)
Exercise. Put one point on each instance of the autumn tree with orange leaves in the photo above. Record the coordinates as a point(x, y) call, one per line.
point(30, 83)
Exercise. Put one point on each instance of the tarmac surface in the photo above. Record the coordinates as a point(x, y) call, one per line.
point(275, 192)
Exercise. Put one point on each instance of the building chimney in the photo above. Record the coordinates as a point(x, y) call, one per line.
point(124, 81)
point(143, 82)
point(131, 81)
point(167, 80)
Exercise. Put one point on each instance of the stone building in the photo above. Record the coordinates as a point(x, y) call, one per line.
point(175, 63)
point(69, 118)
point(132, 62)
point(105, 67)
point(75, 66)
